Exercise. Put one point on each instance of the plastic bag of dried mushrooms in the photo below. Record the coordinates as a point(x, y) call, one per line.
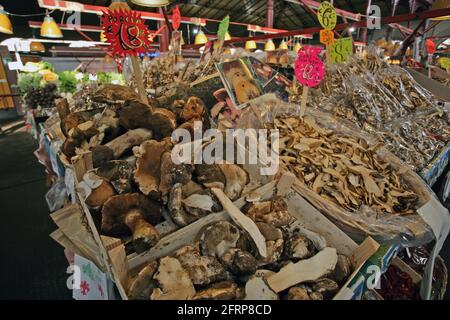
point(346, 173)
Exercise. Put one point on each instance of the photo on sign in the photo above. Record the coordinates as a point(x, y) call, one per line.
point(269, 79)
point(239, 81)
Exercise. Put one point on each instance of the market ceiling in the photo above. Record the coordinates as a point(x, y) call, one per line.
point(288, 14)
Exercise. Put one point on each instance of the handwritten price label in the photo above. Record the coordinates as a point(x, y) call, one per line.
point(341, 50)
point(309, 69)
point(327, 15)
point(126, 32)
point(176, 18)
point(326, 37)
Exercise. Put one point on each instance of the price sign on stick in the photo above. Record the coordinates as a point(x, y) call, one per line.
point(309, 71)
point(327, 15)
point(176, 18)
point(128, 36)
point(341, 50)
point(326, 37)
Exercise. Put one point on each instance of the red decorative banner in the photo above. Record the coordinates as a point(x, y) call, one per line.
point(176, 18)
point(126, 32)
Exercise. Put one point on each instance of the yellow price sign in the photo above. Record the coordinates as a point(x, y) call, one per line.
point(327, 15)
point(326, 37)
point(444, 63)
point(341, 50)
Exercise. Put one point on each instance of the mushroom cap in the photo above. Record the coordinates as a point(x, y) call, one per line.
point(119, 173)
point(134, 114)
point(162, 122)
point(100, 194)
point(116, 207)
point(217, 238)
point(113, 92)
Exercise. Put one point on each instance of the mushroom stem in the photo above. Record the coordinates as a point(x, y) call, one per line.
point(145, 235)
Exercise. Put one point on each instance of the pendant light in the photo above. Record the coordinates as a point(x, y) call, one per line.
point(5, 23)
point(119, 4)
point(200, 37)
point(151, 3)
point(283, 46)
point(269, 46)
point(250, 45)
point(36, 46)
point(49, 28)
point(227, 36)
point(441, 4)
point(297, 47)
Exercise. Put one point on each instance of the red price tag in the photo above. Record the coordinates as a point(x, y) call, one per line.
point(176, 18)
point(309, 69)
point(126, 32)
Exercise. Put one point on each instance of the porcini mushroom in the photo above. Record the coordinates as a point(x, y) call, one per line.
point(173, 281)
point(235, 180)
point(119, 173)
point(142, 281)
point(239, 262)
point(218, 238)
point(133, 214)
point(202, 270)
point(224, 290)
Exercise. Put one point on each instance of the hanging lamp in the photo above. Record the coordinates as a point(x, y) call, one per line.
point(151, 3)
point(200, 37)
point(283, 46)
point(5, 23)
point(119, 4)
point(227, 36)
point(269, 46)
point(49, 28)
point(250, 45)
point(441, 4)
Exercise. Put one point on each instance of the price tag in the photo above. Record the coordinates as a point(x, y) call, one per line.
point(223, 28)
point(309, 68)
point(327, 15)
point(176, 18)
point(341, 50)
point(126, 32)
point(326, 37)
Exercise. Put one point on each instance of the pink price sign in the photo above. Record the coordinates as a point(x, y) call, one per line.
point(309, 68)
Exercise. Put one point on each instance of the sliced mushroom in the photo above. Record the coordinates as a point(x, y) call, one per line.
point(132, 214)
point(142, 281)
point(235, 180)
point(202, 270)
point(224, 290)
point(257, 288)
point(173, 281)
point(127, 141)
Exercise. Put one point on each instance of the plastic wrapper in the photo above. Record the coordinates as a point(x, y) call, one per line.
point(56, 195)
point(408, 230)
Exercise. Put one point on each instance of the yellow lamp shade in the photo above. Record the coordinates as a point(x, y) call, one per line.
point(227, 37)
point(119, 4)
point(5, 23)
point(269, 46)
point(36, 46)
point(151, 3)
point(297, 47)
point(441, 4)
point(200, 38)
point(250, 45)
point(50, 29)
point(283, 46)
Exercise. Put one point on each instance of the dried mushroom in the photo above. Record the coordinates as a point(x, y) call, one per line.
point(142, 282)
point(239, 262)
point(235, 180)
point(298, 293)
point(176, 208)
point(119, 173)
point(299, 247)
point(342, 270)
point(218, 238)
point(344, 170)
point(326, 287)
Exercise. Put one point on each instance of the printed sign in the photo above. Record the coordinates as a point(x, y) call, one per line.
point(92, 283)
point(327, 15)
point(341, 50)
point(223, 28)
point(309, 68)
point(126, 32)
point(326, 37)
